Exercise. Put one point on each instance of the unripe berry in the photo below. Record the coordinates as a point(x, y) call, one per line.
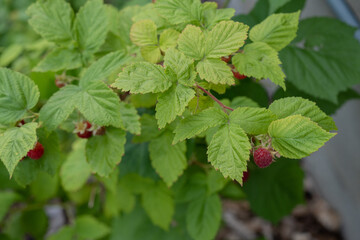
point(262, 157)
point(59, 83)
point(36, 152)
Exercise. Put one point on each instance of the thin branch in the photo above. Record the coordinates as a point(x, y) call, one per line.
point(224, 107)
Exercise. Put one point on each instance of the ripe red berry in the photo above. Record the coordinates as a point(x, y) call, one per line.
point(245, 176)
point(20, 123)
point(262, 157)
point(36, 152)
point(59, 83)
point(237, 74)
point(82, 129)
point(226, 58)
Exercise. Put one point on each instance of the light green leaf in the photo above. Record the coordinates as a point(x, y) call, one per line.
point(191, 42)
point(196, 124)
point(18, 93)
point(99, 104)
point(52, 20)
point(225, 38)
point(130, 118)
point(75, 170)
point(103, 68)
point(180, 11)
point(64, 233)
point(143, 78)
point(104, 152)
point(277, 30)
point(296, 105)
point(213, 16)
point(147, 100)
point(51, 159)
point(91, 31)
point(172, 103)
point(215, 71)
point(151, 54)
point(59, 107)
point(158, 204)
point(43, 192)
point(88, 227)
point(297, 136)
point(259, 60)
point(181, 65)
point(243, 102)
point(276, 4)
point(10, 53)
point(59, 59)
point(15, 143)
point(252, 120)
point(168, 160)
point(168, 39)
point(144, 33)
point(215, 181)
point(203, 217)
point(229, 151)
point(6, 200)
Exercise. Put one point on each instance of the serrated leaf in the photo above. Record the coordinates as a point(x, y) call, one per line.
point(203, 217)
point(213, 16)
point(59, 59)
point(179, 11)
point(243, 102)
point(252, 120)
point(172, 103)
point(75, 170)
point(277, 30)
point(274, 191)
point(196, 124)
point(191, 42)
point(18, 93)
point(52, 20)
point(59, 107)
point(144, 33)
point(259, 60)
point(225, 38)
point(88, 227)
point(168, 39)
point(143, 78)
point(168, 160)
point(15, 143)
point(149, 129)
point(181, 65)
point(103, 68)
point(99, 104)
point(7, 198)
point(158, 204)
point(296, 105)
point(130, 118)
point(215, 71)
point(91, 31)
point(297, 136)
point(104, 152)
point(229, 151)
point(151, 54)
point(200, 103)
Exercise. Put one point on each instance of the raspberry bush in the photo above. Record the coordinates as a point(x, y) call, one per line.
point(142, 119)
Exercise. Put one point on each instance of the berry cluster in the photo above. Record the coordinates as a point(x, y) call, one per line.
point(85, 129)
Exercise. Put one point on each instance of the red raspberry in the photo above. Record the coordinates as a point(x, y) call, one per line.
point(226, 58)
point(262, 157)
point(237, 74)
point(82, 129)
point(20, 123)
point(36, 152)
point(245, 176)
point(59, 83)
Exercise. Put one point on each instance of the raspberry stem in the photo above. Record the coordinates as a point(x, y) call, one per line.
point(224, 107)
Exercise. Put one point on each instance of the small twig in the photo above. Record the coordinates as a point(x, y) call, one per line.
point(224, 107)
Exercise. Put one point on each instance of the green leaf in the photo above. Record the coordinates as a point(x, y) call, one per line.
point(143, 78)
point(99, 104)
point(149, 129)
point(179, 11)
point(229, 151)
point(259, 60)
point(75, 170)
point(274, 191)
point(243, 102)
point(276, 4)
point(91, 31)
point(43, 192)
point(151, 54)
point(168, 39)
point(296, 105)
point(297, 136)
point(59, 107)
point(172, 103)
point(144, 33)
point(196, 124)
point(88, 227)
point(225, 38)
point(52, 20)
point(26, 172)
point(105, 152)
point(18, 94)
point(158, 204)
point(6, 200)
point(215, 182)
point(59, 59)
point(191, 42)
point(168, 160)
point(15, 143)
point(103, 68)
point(130, 118)
point(213, 16)
point(203, 217)
point(64, 233)
point(252, 120)
point(277, 30)
point(215, 71)
point(10, 53)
